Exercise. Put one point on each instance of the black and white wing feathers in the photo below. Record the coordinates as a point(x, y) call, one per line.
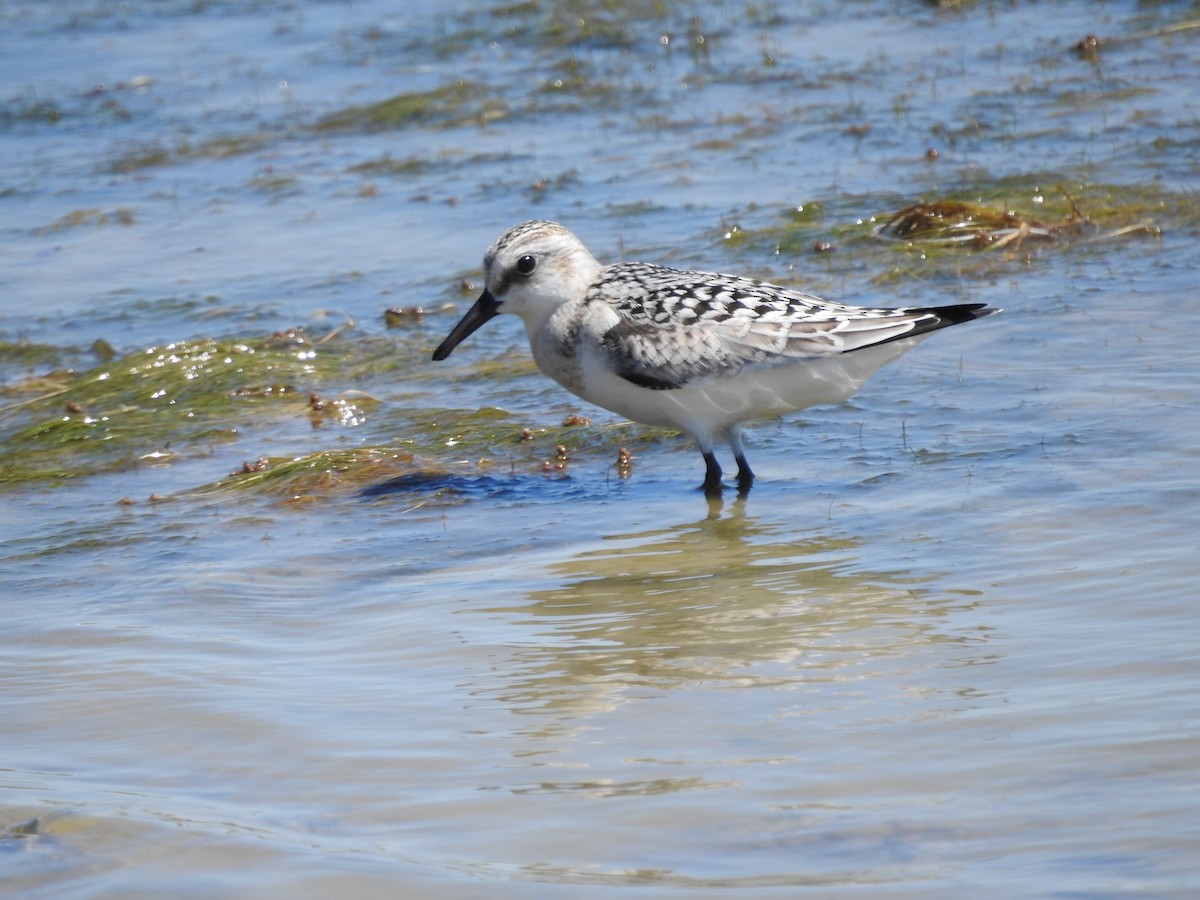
point(676, 327)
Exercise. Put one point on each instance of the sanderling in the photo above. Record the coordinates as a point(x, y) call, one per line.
point(694, 351)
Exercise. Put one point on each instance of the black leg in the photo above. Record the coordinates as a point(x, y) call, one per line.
point(745, 477)
point(712, 474)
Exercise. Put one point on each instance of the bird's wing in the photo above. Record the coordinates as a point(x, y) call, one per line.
point(673, 327)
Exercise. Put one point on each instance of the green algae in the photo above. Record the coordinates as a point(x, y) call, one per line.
point(274, 184)
point(458, 103)
point(25, 353)
point(159, 402)
point(32, 111)
point(443, 161)
point(155, 153)
point(387, 165)
point(982, 220)
point(434, 448)
point(313, 475)
point(143, 157)
point(181, 401)
point(79, 218)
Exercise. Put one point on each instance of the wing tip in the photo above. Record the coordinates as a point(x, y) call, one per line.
point(935, 318)
point(959, 313)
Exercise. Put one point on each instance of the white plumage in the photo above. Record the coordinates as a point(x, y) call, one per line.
point(695, 351)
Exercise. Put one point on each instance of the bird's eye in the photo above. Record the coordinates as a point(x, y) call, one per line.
point(526, 265)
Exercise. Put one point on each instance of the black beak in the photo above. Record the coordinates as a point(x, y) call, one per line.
point(485, 309)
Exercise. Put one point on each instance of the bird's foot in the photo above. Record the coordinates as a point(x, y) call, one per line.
point(713, 486)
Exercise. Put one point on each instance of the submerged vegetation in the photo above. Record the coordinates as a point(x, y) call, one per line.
point(151, 406)
point(439, 457)
point(624, 76)
point(185, 400)
point(980, 225)
point(158, 153)
point(458, 103)
point(962, 222)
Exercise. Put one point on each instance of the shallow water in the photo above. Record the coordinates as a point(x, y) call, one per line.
point(946, 645)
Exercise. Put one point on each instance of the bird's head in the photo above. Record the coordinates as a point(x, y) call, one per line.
point(529, 271)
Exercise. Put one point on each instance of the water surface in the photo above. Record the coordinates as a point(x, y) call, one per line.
point(946, 645)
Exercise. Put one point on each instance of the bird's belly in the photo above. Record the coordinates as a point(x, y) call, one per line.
point(714, 403)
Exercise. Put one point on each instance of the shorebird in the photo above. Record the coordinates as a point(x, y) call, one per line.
point(695, 351)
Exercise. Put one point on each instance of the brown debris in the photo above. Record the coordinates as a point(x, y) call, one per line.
point(257, 466)
point(979, 226)
point(624, 463)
